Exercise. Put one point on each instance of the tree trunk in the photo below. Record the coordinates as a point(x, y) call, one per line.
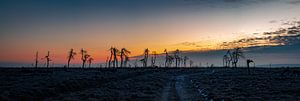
point(121, 61)
point(235, 65)
point(248, 67)
point(83, 63)
point(47, 64)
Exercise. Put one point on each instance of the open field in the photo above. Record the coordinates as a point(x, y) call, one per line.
point(149, 84)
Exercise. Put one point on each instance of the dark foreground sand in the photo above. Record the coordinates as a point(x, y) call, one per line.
point(150, 84)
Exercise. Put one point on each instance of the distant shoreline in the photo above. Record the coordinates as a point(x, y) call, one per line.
point(141, 67)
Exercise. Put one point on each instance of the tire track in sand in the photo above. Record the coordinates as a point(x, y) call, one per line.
point(180, 88)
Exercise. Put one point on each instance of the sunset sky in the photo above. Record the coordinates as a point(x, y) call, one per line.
point(27, 26)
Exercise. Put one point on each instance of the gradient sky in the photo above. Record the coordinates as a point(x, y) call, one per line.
point(28, 26)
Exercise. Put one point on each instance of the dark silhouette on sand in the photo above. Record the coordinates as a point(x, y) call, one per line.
point(185, 58)
point(177, 58)
point(84, 57)
point(236, 55)
point(90, 60)
point(36, 59)
point(114, 52)
point(124, 55)
point(153, 59)
point(145, 59)
point(169, 59)
point(126, 61)
point(71, 55)
point(227, 58)
point(47, 57)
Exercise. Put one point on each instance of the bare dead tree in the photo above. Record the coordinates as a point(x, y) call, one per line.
point(236, 54)
point(106, 61)
point(227, 58)
point(90, 60)
point(225, 61)
point(180, 61)
point(114, 52)
point(36, 59)
point(111, 56)
point(170, 60)
point(71, 56)
point(166, 59)
point(153, 58)
point(177, 58)
point(47, 57)
point(145, 59)
point(84, 57)
point(126, 61)
point(123, 54)
point(185, 58)
point(115, 59)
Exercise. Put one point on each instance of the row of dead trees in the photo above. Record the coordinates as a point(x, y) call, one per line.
point(112, 61)
point(232, 57)
point(85, 57)
point(123, 54)
point(179, 61)
point(169, 59)
point(47, 58)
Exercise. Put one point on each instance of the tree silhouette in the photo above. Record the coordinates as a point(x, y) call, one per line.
point(225, 61)
point(153, 58)
point(145, 59)
point(106, 61)
point(166, 59)
point(90, 60)
point(126, 60)
point(70, 56)
point(114, 52)
point(236, 55)
point(227, 58)
point(47, 57)
point(124, 54)
point(180, 61)
point(169, 59)
point(111, 56)
point(36, 59)
point(115, 59)
point(177, 58)
point(84, 57)
point(185, 58)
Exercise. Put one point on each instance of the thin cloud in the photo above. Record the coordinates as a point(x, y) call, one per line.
point(273, 21)
point(294, 2)
point(188, 43)
point(283, 36)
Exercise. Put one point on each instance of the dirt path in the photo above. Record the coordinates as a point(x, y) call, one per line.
point(180, 88)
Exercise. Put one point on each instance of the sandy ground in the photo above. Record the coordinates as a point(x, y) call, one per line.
point(150, 84)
